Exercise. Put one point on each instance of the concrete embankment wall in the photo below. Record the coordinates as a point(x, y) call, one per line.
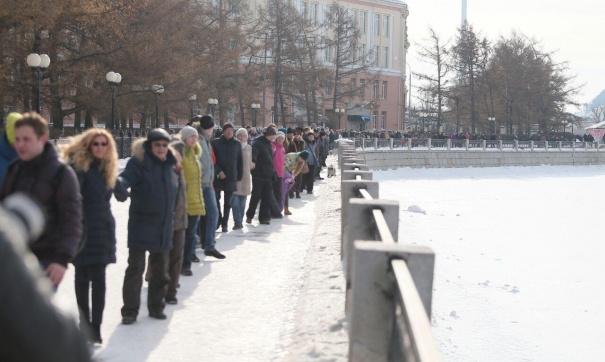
point(392, 159)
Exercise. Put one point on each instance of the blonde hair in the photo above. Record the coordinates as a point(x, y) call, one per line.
point(78, 154)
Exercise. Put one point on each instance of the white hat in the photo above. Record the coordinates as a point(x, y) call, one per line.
point(281, 134)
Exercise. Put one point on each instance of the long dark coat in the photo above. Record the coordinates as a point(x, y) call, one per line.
point(228, 154)
point(153, 187)
point(99, 224)
point(262, 156)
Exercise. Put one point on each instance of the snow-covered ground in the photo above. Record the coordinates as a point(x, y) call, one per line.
point(519, 258)
point(278, 296)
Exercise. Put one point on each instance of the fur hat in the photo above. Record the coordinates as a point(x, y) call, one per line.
point(207, 121)
point(241, 131)
point(270, 131)
point(187, 132)
point(304, 155)
point(158, 134)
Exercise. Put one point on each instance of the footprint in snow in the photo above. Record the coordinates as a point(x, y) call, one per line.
point(416, 209)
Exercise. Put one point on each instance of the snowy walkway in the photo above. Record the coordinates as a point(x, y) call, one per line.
point(279, 295)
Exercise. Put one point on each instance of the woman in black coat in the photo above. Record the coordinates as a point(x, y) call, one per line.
point(94, 158)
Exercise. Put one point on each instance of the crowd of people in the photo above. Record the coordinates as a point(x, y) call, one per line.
point(183, 189)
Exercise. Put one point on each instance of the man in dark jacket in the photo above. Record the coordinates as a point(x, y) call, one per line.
point(39, 173)
point(150, 175)
point(263, 175)
point(229, 170)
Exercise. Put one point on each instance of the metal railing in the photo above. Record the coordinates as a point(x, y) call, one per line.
point(473, 145)
point(389, 285)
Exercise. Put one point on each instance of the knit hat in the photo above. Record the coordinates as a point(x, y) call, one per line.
point(227, 125)
point(187, 132)
point(158, 134)
point(282, 130)
point(241, 131)
point(270, 131)
point(281, 134)
point(322, 133)
point(304, 155)
point(311, 134)
point(290, 130)
point(207, 122)
point(10, 126)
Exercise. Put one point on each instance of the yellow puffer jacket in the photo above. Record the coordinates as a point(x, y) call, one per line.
point(193, 178)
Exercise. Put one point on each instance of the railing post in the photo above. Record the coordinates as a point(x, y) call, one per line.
point(573, 145)
point(409, 143)
point(484, 144)
point(371, 314)
point(531, 145)
point(375, 143)
point(429, 143)
point(560, 146)
point(448, 143)
point(349, 190)
point(390, 143)
point(546, 146)
point(500, 145)
point(466, 142)
point(585, 146)
point(358, 227)
point(516, 143)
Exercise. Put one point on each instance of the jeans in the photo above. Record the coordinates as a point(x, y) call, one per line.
point(238, 205)
point(189, 248)
point(211, 218)
point(90, 277)
point(223, 217)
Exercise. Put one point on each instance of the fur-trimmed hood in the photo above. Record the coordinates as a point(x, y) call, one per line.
point(140, 146)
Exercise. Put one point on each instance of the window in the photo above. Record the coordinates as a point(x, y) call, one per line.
point(376, 56)
point(383, 120)
point(375, 119)
point(385, 57)
point(363, 21)
point(385, 25)
point(375, 89)
point(233, 44)
point(356, 16)
point(361, 53)
point(329, 15)
point(353, 85)
point(362, 88)
point(313, 17)
point(384, 89)
point(303, 9)
point(328, 88)
point(376, 24)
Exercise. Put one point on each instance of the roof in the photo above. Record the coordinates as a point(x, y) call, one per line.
point(600, 125)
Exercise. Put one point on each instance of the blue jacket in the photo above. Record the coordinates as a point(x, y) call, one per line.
point(153, 187)
point(7, 155)
point(99, 224)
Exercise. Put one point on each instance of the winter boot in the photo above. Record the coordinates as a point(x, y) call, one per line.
point(96, 333)
point(287, 211)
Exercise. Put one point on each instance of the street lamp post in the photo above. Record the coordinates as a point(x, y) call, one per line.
point(255, 107)
point(339, 113)
point(492, 119)
point(192, 99)
point(114, 80)
point(158, 90)
point(212, 103)
point(38, 64)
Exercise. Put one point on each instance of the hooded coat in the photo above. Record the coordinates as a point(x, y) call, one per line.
point(153, 190)
point(228, 154)
point(262, 157)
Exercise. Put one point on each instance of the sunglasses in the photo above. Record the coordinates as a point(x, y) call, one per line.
point(162, 145)
point(97, 144)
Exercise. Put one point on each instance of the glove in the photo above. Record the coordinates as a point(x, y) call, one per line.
point(120, 191)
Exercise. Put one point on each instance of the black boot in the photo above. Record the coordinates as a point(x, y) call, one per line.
point(96, 333)
point(298, 194)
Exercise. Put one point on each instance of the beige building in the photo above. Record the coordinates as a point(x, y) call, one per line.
point(380, 101)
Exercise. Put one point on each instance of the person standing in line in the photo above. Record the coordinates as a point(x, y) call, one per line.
point(312, 162)
point(40, 174)
point(244, 186)
point(228, 168)
point(94, 157)
point(150, 175)
point(279, 154)
point(263, 174)
point(205, 125)
point(297, 145)
point(7, 140)
point(195, 199)
point(294, 165)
